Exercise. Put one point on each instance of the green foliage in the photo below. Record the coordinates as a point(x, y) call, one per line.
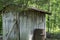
point(54, 19)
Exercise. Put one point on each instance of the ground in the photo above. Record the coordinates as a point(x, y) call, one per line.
point(52, 39)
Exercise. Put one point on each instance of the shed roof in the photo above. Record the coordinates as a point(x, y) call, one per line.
point(38, 10)
point(26, 9)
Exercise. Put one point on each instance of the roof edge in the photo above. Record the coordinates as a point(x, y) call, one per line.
point(38, 10)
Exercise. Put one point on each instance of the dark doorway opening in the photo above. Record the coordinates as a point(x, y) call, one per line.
point(38, 34)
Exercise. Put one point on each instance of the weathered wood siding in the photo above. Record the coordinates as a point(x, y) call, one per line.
point(9, 26)
point(29, 22)
point(25, 23)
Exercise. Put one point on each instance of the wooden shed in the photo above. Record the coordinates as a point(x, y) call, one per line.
point(28, 24)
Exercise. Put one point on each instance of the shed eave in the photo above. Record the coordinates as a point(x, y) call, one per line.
point(41, 11)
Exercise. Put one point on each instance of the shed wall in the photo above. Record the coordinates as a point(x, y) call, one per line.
point(26, 22)
point(29, 22)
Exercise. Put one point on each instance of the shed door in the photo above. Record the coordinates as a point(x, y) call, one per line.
point(10, 28)
point(38, 34)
